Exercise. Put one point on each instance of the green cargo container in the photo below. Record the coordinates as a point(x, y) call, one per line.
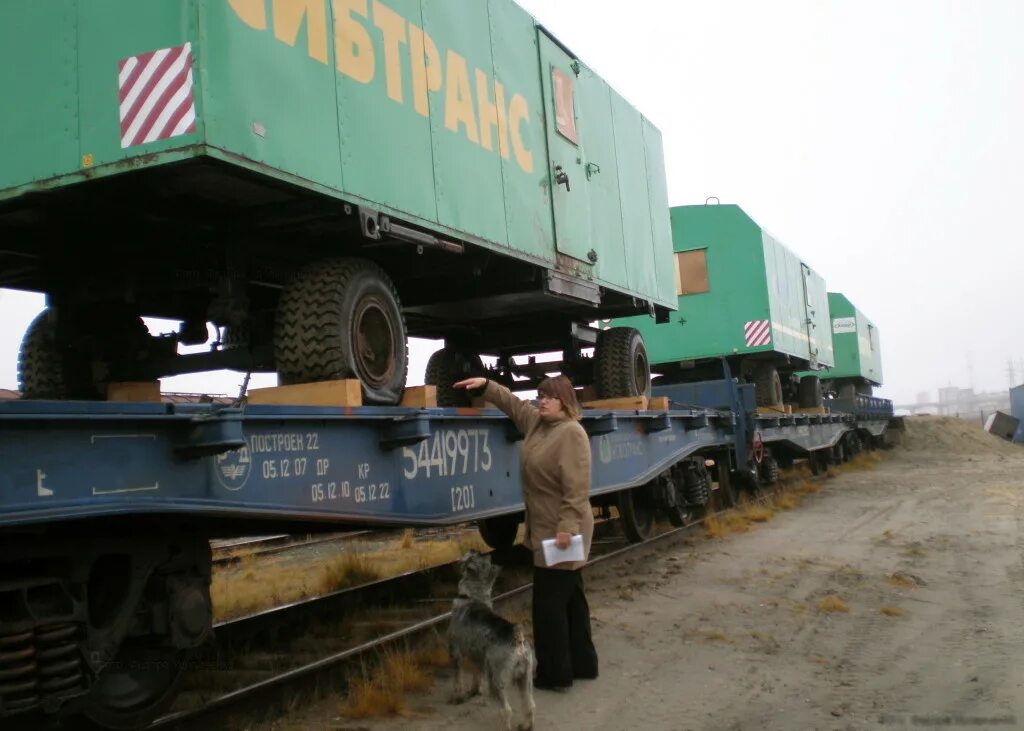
point(743, 296)
point(457, 155)
point(858, 352)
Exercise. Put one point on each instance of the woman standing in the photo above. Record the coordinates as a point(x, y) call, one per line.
point(555, 469)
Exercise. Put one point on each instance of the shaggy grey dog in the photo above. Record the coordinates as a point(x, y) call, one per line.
point(498, 649)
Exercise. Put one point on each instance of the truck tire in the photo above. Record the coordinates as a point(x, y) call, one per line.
point(108, 350)
point(621, 365)
point(767, 385)
point(445, 367)
point(40, 361)
point(810, 395)
point(341, 318)
point(847, 391)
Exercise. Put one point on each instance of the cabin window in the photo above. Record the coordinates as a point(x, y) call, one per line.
point(565, 108)
point(692, 272)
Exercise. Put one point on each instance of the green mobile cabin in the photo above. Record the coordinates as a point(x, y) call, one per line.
point(857, 347)
point(254, 163)
point(743, 296)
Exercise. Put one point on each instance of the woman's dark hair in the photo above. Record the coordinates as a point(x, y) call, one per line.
point(560, 387)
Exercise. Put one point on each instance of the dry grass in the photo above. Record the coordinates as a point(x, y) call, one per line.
point(350, 569)
point(863, 461)
point(901, 580)
point(257, 584)
point(371, 696)
point(891, 611)
point(805, 487)
point(758, 513)
point(915, 549)
point(832, 604)
point(713, 527)
point(787, 501)
point(432, 655)
point(716, 636)
point(382, 691)
point(734, 522)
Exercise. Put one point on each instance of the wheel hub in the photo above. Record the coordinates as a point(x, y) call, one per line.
point(374, 349)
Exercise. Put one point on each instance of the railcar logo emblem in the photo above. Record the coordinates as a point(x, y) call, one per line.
point(232, 468)
point(604, 449)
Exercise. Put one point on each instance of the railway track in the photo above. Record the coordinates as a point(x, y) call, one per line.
point(233, 551)
point(277, 655)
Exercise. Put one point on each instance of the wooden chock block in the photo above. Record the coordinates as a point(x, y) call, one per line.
point(659, 403)
point(134, 391)
point(626, 403)
point(587, 393)
point(771, 410)
point(345, 392)
point(420, 397)
point(813, 410)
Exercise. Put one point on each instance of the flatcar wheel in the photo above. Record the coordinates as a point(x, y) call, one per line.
point(499, 532)
point(636, 513)
point(723, 497)
point(815, 461)
point(678, 516)
point(136, 687)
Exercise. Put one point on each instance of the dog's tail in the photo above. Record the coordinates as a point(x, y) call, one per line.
point(524, 660)
point(522, 647)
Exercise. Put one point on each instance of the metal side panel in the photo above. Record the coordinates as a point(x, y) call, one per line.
point(269, 83)
point(384, 120)
point(467, 175)
point(371, 465)
point(521, 145)
point(661, 224)
point(39, 85)
point(634, 194)
point(378, 466)
point(139, 79)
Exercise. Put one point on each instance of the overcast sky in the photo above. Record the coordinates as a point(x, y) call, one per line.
point(880, 140)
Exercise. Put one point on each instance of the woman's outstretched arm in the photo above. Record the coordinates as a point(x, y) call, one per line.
point(522, 413)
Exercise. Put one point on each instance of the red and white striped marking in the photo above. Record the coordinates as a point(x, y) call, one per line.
point(155, 91)
point(757, 333)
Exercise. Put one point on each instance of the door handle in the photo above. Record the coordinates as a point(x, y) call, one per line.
point(561, 177)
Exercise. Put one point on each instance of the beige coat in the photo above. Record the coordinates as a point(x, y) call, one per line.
point(555, 468)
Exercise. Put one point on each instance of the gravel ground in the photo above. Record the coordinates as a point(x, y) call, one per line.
point(924, 550)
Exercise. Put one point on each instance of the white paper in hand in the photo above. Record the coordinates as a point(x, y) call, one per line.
point(553, 554)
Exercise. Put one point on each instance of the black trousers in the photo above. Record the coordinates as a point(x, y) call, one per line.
point(561, 627)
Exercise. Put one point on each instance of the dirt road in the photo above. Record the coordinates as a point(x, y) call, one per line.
point(924, 551)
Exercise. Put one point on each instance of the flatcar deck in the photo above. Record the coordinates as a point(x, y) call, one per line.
point(370, 465)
